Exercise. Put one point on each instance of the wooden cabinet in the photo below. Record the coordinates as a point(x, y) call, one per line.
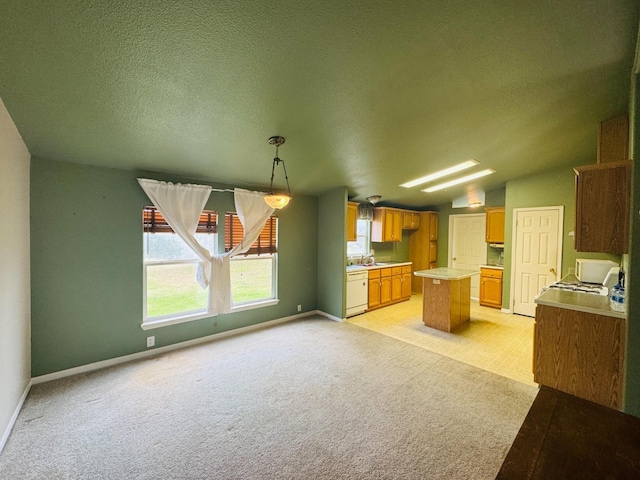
point(386, 225)
point(374, 289)
point(352, 221)
point(406, 283)
point(495, 225)
point(410, 220)
point(580, 353)
point(603, 192)
point(423, 247)
point(389, 285)
point(491, 287)
point(613, 140)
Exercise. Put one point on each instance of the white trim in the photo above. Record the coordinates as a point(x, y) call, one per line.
point(168, 348)
point(12, 422)
point(329, 316)
point(505, 310)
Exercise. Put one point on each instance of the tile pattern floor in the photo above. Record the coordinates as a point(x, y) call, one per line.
point(494, 341)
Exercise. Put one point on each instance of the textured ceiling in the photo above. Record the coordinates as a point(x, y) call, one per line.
point(368, 94)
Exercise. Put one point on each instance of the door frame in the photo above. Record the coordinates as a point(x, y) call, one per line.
point(514, 233)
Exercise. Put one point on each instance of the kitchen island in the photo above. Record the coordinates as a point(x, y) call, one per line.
point(446, 297)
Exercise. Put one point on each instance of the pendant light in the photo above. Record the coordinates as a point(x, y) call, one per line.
point(277, 200)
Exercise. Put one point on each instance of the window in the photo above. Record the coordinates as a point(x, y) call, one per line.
point(362, 245)
point(170, 286)
point(253, 274)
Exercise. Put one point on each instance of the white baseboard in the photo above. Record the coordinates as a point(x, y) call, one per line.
point(330, 317)
point(12, 422)
point(90, 367)
point(505, 310)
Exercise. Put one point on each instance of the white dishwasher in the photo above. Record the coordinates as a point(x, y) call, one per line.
point(357, 292)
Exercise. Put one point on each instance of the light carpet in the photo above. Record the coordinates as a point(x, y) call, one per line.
point(309, 399)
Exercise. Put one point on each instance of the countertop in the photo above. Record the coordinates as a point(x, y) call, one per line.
point(355, 268)
point(580, 302)
point(446, 273)
point(496, 267)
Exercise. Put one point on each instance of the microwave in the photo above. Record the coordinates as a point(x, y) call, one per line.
point(593, 271)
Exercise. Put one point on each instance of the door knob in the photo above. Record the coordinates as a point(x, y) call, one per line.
point(454, 259)
point(552, 270)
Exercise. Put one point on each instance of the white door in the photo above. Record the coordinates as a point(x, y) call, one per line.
point(537, 254)
point(467, 247)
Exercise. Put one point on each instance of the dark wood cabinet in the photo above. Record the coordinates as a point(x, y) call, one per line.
point(613, 140)
point(603, 192)
point(580, 353)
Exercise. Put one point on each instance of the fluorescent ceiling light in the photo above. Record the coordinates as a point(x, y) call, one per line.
point(440, 174)
point(473, 176)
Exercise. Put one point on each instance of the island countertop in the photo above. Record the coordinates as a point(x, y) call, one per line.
point(446, 273)
point(581, 302)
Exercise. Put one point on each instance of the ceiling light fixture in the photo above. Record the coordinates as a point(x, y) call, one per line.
point(457, 181)
point(440, 174)
point(277, 200)
point(373, 199)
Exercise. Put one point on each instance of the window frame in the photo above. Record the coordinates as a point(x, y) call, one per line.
point(367, 238)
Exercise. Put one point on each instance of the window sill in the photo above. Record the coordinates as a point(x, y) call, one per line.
point(165, 322)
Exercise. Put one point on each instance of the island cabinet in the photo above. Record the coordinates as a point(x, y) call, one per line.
point(386, 225)
point(495, 225)
point(352, 222)
point(580, 353)
point(603, 193)
point(423, 247)
point(491, 287)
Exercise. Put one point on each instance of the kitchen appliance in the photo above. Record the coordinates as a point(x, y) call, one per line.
point(357, 292)
point(590, 288)
point(593, 271)
point(612, 278)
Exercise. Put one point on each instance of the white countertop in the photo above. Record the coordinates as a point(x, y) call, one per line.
point(580, 302)
point(496, 267)
point(446, 273)
point(352, 268)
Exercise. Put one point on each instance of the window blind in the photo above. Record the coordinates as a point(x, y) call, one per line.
point(154, 222)
point(266, 242)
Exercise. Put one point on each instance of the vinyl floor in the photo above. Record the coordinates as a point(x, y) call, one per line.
point(494, 341)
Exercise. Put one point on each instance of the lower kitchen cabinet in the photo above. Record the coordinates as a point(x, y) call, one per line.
point(580, 353)
point(388, 286)
point(491, 287)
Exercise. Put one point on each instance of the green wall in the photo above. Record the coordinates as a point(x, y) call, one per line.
point(492, 199)
point(332, 252)
point(86, 266)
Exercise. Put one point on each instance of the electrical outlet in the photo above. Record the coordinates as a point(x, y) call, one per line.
point(299, 308)
point(151, 341)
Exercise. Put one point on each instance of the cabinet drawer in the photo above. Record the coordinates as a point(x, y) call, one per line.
point(396, 271)
point(490, 273)
point(375, 273)
point(385, 272)
point(406, 269)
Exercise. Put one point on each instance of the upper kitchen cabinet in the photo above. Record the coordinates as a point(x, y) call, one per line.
point(603, 193)
point(433, 226)
point(352, 221)
point(410, 220)
point(386, 225)
point(495, 225)
point(613, 140)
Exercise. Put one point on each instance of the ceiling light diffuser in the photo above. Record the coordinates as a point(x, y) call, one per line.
point(440, 174)
point(457, 181)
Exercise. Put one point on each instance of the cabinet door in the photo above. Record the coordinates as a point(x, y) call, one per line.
point(580, 353)
point(495, 225)
point(410, 221)
point(433, 252)
point(385, 290)
point(374, 292)
point(397, 226)
point(406, 286)
point(352, 221)
point(613, 140)
point(433, 226)
point(396, 288)
point(491, 292)
point(388, 226)
point(603, 193)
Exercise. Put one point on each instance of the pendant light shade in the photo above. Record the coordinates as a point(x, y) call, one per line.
point(277, 200)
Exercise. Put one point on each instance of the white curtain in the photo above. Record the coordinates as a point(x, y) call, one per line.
point(181, 205)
